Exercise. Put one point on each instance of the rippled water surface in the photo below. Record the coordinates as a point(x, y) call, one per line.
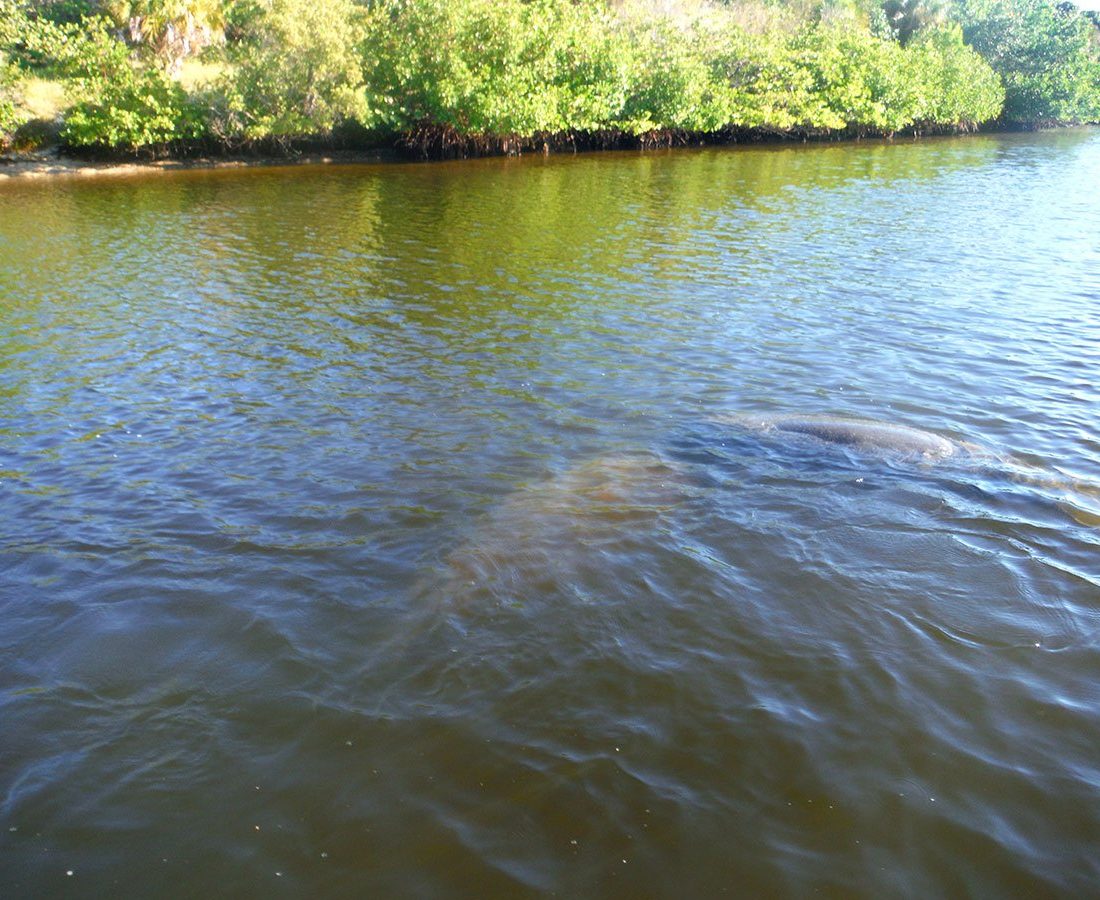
point(395, 531)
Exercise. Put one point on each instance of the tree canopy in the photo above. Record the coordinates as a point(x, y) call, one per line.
point(505, 74)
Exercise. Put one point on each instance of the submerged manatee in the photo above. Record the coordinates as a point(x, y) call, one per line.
point(861, 434)
point(547, 531)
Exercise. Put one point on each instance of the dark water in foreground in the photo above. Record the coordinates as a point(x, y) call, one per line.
point(368, 532)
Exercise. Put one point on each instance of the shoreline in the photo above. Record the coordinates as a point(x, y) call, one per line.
point(54, 165)
point(39, 167)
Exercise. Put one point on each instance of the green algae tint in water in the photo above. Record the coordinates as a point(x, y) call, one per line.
point(376, 531)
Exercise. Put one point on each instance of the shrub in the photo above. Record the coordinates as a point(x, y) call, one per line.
point(118, 102)
point(9, 110)
point(11, 24)
point(444, 63)
point(297, 72)
point(959, 87)
point(507, 68)
point(673, 85)
point(1044, 54)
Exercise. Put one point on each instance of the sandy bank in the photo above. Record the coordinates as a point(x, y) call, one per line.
point(51, 166)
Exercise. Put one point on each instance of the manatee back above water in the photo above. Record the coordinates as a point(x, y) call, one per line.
point(1074, 495)
point(863, 434)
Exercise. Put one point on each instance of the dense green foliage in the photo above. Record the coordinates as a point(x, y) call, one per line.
point(9, 77)
point(9, 115)
point(452, 75)
point(488, 67)
point(297, 73)
point(513, 69)
point(117, 102)
point(1045, 55)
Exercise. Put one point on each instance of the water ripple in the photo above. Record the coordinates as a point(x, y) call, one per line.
point(375, 531)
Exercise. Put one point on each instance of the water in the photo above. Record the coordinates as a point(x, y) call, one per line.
point(372, 531)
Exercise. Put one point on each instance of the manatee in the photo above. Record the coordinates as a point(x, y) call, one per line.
point(1074, 495)
point(861, 434)
point(548, 529)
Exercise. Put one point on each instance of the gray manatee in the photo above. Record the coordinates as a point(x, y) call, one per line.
point(861, 434)
point(1076, 496)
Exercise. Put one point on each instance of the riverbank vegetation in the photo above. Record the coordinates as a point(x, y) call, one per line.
point(442, 77)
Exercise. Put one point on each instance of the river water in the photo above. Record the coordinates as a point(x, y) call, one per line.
point(388, 530)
